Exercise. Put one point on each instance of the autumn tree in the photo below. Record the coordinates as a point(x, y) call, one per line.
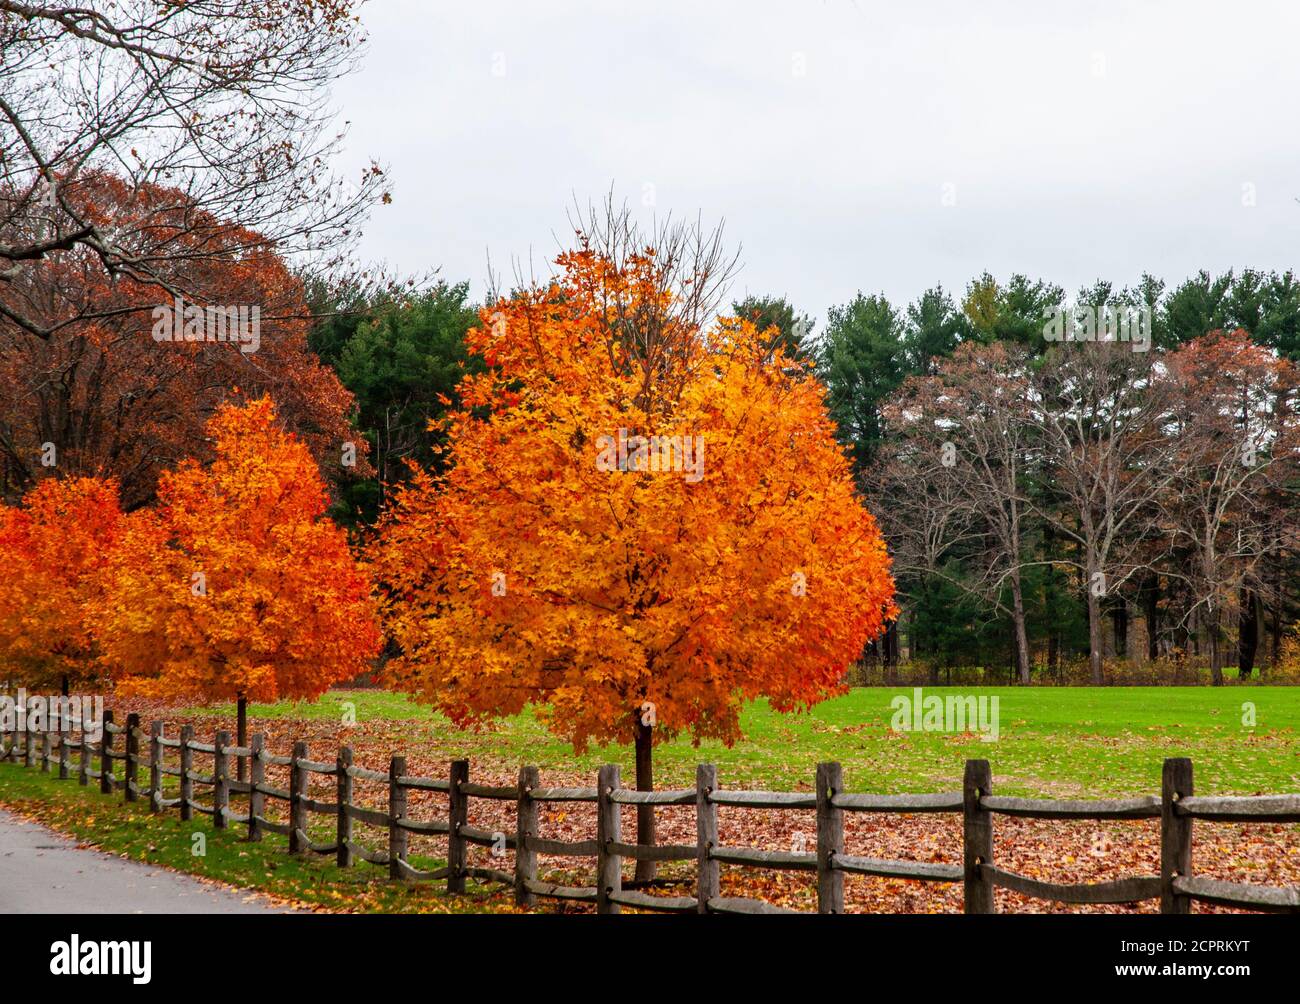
point(100, 395)
point(236, 586)
point(55, 547)
point(645, 523)
point(1234, 421)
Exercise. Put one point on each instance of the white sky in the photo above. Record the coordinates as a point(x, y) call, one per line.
point(1082, 141)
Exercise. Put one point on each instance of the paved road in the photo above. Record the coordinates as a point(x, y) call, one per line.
point(44, 872)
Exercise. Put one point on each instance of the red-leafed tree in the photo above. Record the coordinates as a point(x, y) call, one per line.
point(98, 395)
point(1236, 431)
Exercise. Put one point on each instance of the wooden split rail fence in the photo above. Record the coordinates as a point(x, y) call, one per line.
point(136, 750)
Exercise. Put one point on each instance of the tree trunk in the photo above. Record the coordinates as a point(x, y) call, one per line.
point(891, 646)
point(931, 650)
point(1216, 654)
point(1022, 637)
point(645, 781)
point(241, 733)
point(1049, 602)
point(63, 686)
point(1151, 598)
point(1279, 600)
point(1094, 636)
point(1247, 633)
point(1119, 618)
point(1275, 643)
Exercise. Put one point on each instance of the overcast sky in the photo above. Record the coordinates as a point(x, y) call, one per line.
point(848, 146)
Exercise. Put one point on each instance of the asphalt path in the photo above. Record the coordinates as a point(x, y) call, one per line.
point(44, 872)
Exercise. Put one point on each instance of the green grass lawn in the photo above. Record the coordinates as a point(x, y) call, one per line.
point(1053, 741)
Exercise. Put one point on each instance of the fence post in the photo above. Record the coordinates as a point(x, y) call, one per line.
point(45, 750)
point(106, 756)
point(525, 830)
point(706, 836)
point(187, 763)
point(343, 824)
point(609, 872)
point(256, 778)
point(61, 729)
point(155, 766)
point(297, 788)
point(83, 768)
point(458, 816)
point(56, 736)
point(977, 837)
point(220, 780)
point(65, 759)
point(130, 792)
point(29, 749)
point(396, 812)
point(1175, 834)
point(830, 839)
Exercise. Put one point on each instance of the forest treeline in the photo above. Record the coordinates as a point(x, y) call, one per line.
point(1041, 499)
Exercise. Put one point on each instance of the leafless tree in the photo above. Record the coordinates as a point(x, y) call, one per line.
point(680, 271)
point(224, 102)
point(971, 416)
point(1097, 415)
point(1234, 427)
point(920, 504)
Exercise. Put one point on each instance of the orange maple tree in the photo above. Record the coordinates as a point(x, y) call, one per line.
point(237, 586)
point(630, 584)
point(55, 547)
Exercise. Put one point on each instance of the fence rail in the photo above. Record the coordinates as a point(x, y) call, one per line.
point(137, 750)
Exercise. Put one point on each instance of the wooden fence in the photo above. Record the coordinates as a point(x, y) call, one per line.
point(134, 750)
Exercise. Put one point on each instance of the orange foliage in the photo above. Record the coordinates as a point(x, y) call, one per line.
point(537, 572)
point(237, 584)
point(54, 549)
